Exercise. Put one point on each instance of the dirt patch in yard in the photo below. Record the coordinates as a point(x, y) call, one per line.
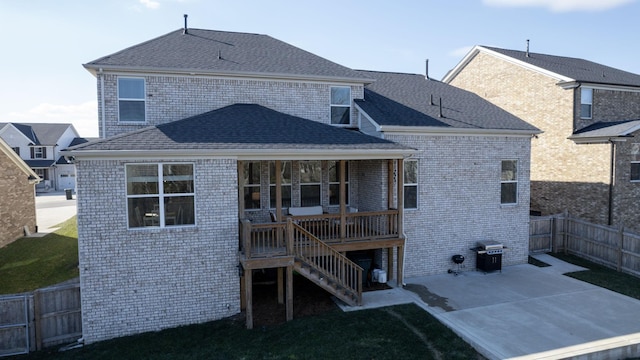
point(308, 300)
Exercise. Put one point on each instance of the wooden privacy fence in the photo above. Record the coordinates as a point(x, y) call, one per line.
point(39, 319)
point(610, 246)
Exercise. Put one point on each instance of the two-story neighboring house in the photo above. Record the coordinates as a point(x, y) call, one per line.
point(222, 153)
point(18, 204)
point(587, 160)
point(39, 145)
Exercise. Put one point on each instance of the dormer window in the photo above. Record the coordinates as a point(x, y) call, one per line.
point(586, 103)
point(131, 100)
point(340, 105)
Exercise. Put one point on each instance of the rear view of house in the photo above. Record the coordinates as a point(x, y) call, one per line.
point(216, 161)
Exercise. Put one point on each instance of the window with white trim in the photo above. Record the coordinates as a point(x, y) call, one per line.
point(131, 100)
point(411, 184)
point(160, 195)
point(509, 182)
point(635, 171)
point(285, 183)
point(341, 105)
point(334, 182)
point(251, 185)
point(586, 103)
point(310, 183)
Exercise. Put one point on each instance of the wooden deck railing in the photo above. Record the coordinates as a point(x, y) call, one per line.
point(269, 239)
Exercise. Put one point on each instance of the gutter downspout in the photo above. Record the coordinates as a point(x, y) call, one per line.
point(102, 112)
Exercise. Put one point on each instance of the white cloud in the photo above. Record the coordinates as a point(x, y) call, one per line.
point(150, 4)
point(84, 116)
point(561, 5)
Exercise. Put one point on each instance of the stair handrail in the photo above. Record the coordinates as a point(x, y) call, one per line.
point(336, 266)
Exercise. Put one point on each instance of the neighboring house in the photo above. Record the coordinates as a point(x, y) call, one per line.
point(18, 204)
point(212, 139)
point(39, 146)
point(587, 160)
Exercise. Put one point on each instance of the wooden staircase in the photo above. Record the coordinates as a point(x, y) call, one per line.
point(326, 267)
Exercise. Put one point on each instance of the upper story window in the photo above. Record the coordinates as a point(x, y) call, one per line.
point(411, 184)
point(586, 103)
point(341, 105)
point(635, 171)
point(334, 182)
point(285, 183)
point(252, 185)
point(160, 195)
point(310, 183)
point(509, 182)
point(38, 152)
point(131, 99)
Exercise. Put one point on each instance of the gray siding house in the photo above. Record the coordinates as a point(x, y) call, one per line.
point(224, 153)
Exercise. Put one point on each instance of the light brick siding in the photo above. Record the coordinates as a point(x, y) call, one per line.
point(141, 280)
point(17, 207)
point(564, 176)
point(170, 98)
point(459, 201)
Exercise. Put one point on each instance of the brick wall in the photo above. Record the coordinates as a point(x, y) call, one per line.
point(626, 193)
point(148, 279)
point(18, 204)
point(171, 98)
point(564, 176)
point(459, 201)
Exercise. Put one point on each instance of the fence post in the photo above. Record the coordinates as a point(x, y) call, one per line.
point(620, 246)
point(37, 315)
point(552, 235)
point(565, 232)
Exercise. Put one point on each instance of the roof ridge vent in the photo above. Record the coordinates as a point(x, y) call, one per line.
point(185, 30)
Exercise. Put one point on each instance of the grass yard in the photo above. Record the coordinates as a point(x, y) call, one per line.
point(30, 263)
point(398, 332)
point(603, 276)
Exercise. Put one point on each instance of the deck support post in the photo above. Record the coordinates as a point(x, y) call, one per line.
point(280, 286)
point(289, 288)
point(249, 297)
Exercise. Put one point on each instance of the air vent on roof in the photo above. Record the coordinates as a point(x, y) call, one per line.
point(426, 71)
point(440, 115)
point(185, 31)
point(527, 53)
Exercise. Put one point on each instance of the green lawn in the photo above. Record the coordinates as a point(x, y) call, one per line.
point(30, 263)
point(603, 276)
point(398, 332)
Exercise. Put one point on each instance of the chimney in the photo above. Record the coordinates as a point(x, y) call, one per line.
point(185, 31)
point(527, 53)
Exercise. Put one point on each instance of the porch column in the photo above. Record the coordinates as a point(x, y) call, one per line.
point(390, 167)
point(400, 191)
point(343, 204)
point(240, 189)
point(278, 171)
point(249, 297)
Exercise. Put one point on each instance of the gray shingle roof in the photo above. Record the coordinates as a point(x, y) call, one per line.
point(574, 68)
point(212, 51)
point(603, 131)
point(405, 100)
point(241, 126)
point(42, 134)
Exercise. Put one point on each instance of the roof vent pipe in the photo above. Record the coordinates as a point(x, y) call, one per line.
point(431, 100)
point(185, 31)
point(426, 71)
point(527, 53)
point(440, 115)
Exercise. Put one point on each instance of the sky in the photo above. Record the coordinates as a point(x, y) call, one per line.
point(44, 43)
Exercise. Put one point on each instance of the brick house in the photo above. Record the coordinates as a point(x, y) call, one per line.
point(223, 153)
point(586, 161)
point(39, 145)
point(18, 204)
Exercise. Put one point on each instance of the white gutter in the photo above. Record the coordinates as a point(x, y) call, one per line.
point(242, 154)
